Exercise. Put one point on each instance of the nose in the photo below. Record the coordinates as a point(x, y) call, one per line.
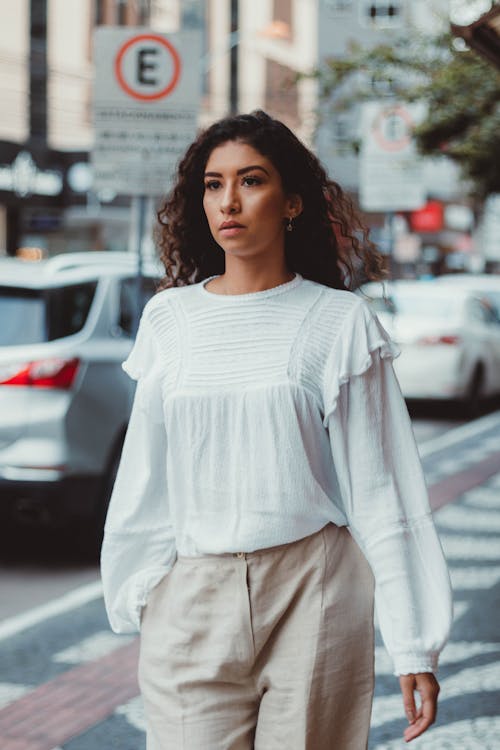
point(230, 202)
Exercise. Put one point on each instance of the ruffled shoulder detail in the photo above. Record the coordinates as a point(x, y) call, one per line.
point(144, 364)
point(141, 356)
point(362, 335)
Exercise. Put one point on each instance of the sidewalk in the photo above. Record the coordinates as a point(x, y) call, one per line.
point(463, 472)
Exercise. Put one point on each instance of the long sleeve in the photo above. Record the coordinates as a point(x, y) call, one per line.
point(139, 543)
point(386, 503)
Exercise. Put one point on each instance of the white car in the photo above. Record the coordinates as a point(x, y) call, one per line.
point(449, 338)
point(67, 323)
point(486, 286)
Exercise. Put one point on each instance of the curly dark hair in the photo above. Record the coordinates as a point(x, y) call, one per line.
point(329, 243)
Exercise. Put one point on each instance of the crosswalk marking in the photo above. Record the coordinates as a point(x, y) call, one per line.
point(482, 498)
point(464, 547)
point(133, 711)
point(475, 577)
point(481, 734)
point(11, 691)
point(473, 519)
point(93, 647)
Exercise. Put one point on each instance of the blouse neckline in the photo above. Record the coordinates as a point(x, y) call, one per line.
point(263, 294)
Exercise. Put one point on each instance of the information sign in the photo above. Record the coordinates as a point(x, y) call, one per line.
point(390, 169)
point(146, 100)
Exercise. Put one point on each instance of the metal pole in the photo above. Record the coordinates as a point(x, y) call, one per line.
point(141, 224)
point(38, 72)
point(233, 69)
point(389, 219)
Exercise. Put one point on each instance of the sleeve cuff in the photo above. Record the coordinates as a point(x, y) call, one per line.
point(415, 663)
point(125, 613)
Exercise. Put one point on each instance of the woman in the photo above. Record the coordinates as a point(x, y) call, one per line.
point(269, 474)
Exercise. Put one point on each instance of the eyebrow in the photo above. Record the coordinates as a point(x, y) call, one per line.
point(243, 170)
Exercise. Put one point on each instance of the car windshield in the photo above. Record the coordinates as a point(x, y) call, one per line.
point(32, 316)
point(426, 305)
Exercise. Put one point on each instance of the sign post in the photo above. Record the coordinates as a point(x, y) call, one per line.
point(390, 169)
point(147, 92)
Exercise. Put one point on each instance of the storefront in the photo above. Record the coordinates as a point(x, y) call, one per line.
point(45, 203)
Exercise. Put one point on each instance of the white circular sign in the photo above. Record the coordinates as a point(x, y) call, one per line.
point(147, 67)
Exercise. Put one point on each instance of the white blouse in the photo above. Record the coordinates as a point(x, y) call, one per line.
point(257, 419)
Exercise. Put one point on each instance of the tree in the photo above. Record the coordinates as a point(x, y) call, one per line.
point(461, 89)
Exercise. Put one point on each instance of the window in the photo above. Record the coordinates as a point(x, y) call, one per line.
point(493, 301)
point(382, 13)
point(22, 312)
point(483, 310)
point(99, 12)
point(342, 128)
point(144, 13)
point(122, 13)
point(32, 316)
point(338, 7)
point(128, 301)
point(68, 308)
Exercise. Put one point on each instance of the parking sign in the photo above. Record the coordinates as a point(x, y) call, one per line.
point(146, 100)
point(390, 170)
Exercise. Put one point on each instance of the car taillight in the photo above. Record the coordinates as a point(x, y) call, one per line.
point(453, 340)
point(44, 373)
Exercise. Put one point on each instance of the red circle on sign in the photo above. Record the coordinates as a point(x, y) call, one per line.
point(378, 134)
point(175, 76)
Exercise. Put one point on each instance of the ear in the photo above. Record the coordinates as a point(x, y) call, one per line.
point(294, 205)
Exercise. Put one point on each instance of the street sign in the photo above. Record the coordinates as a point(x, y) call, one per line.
point(390, 169)
point(147, 92)
point(489, 234)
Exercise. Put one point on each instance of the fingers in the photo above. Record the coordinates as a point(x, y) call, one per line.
point(428, 689)
point(408, 685)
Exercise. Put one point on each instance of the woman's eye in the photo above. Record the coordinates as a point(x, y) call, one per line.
point(212, 185)
point(250, 181)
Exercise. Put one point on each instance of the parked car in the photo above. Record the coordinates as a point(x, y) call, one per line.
point(449, 338)
point(66, 326)
point(486, 286)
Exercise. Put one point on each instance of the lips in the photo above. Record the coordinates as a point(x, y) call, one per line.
point(231, 225)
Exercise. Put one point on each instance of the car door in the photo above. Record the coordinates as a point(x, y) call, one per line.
point(485, 328)
point(491, 315)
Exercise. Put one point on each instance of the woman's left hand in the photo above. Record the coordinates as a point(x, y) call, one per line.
point(427, 686)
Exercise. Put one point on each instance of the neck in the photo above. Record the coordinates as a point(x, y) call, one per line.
point(240, 279)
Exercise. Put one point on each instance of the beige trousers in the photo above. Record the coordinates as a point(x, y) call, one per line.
point(271, 650)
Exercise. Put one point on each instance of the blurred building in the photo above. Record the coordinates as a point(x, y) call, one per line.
point(46, 76)
point(367, 23)
point(253, 51)
point(420, 241)
point(46, 196)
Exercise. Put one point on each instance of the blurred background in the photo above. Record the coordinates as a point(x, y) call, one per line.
point(314, 63)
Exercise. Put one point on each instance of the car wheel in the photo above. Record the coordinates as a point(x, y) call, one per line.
point(474, 395)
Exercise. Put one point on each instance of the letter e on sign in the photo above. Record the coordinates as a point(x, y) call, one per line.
point(148, 67)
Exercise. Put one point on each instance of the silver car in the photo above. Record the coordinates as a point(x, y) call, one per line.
point(449, 336)
point(66, 324)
